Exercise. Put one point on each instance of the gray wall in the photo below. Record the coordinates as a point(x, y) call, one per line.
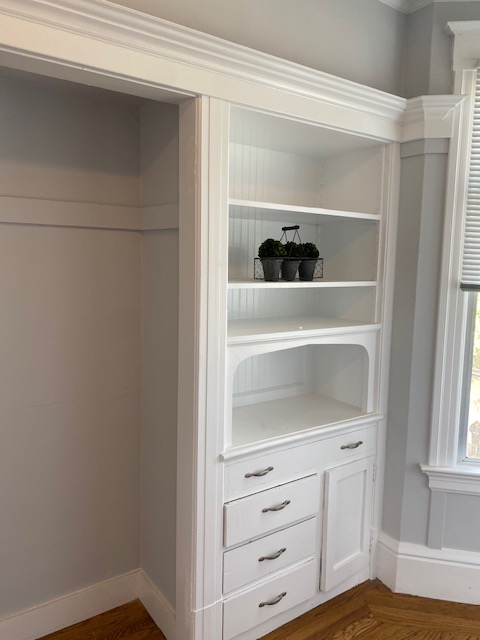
point(406, 497)
point(361, 40)
point(418, 44)
point(428, 70)
point(428, 56)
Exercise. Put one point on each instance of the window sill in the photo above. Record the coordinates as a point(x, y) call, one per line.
point(462, 478)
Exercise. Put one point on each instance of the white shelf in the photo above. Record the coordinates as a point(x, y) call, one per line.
point(265, 421)
point(292, 213)
point(299, 284)
point(245, 331)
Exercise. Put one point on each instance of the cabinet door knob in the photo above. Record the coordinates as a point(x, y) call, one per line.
point(273, 556)
point(257, 474)
point(353, 445)
point(277, 507)
point(273, 600)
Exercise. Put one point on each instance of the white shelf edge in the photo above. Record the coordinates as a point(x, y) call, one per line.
point(315, 211)
point(303, 437)
point(278, 336)
point(299, 284)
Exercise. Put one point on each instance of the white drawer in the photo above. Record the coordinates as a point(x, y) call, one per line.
point(263, 557)
point(249, 476)
point(253, 516)
point(268, 469)
point(251, 608)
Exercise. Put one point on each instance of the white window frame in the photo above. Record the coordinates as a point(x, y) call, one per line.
point(444, 469)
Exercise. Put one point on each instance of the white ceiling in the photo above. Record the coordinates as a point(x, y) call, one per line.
point(409, 6)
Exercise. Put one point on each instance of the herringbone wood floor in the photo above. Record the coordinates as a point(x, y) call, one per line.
point(372, 612)
point(367, 612)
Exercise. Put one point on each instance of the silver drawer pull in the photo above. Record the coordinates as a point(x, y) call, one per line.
point(258, 474)
point(273, 600)
point(273, 556)
point(277, 507)
point(353, 445)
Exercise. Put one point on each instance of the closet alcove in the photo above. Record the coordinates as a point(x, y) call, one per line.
point(89, 182)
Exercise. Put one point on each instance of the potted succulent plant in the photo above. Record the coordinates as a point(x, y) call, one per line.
point(271, 253)
point(309, 253)
point(292, 261)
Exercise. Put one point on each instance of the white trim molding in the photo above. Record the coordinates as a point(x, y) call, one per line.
point(430, 117)
point(466, 34)
point(142, 54)
point(118, 48)
point(410, 6)
point(445, 574)
point(157, 606)
point(460, 479)
point(399, 5)
point(85, 603)
point(69, 609)
point(449, 357)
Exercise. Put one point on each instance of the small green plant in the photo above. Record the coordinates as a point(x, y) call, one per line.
point(309, 250)
point(271, 248)
point(293, 249)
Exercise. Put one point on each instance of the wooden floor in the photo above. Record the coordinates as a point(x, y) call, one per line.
point(367, 612)
point(128, 622)
point(372, 612)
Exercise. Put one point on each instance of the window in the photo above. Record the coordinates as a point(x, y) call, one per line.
point(469, 442)
point(454, 460)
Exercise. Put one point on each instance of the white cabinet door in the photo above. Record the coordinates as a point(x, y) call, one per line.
point(347, 521)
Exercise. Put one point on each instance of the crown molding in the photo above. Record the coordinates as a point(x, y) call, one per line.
point(415, 5)
point(463, 27)
point(410, 6)
point(407, 6)
point(430, 117)
point(120, 42)
point(103, 40)
point(466, 44)
point(399, 5)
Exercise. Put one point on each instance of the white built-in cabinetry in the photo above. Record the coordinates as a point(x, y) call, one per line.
point(280, 419)
point(303, 368)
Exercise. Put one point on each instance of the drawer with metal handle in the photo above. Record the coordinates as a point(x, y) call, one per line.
point(253, 607)
point(265, 511)
point(259, 472)
point(276, 551)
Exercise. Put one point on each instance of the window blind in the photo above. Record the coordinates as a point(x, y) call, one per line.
point(471, 243)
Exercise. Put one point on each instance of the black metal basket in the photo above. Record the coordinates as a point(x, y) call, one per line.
point(318, 271)
point(258, 270)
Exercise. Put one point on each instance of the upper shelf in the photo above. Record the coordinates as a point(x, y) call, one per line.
point(246, 331)
point(299, 284)
point(299, 214)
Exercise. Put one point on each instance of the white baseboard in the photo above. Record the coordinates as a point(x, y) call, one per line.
point(83, 604)
point(157, 606)
point(443, 574)
point(70, 609)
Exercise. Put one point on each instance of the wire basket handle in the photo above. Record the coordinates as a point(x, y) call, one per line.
point(295, 237)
